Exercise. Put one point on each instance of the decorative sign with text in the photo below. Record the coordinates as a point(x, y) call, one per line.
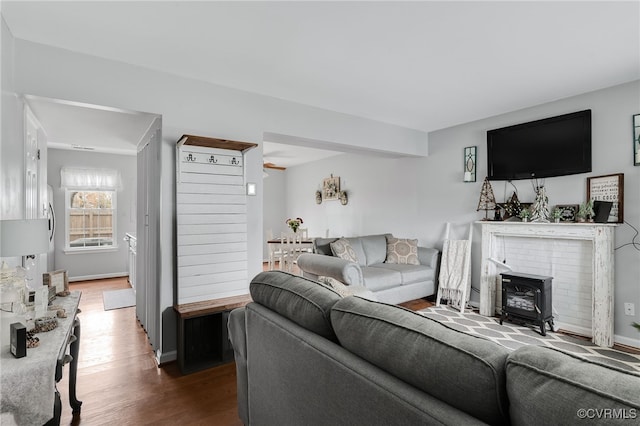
point(608, 188)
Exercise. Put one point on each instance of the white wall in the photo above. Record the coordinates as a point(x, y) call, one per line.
point(192, 107)
point(274, 211)
point(416, 197)
point(97, 264)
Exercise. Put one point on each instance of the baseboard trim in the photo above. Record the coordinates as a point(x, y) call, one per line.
point(165, 357)
point(627, 341)
point(98, 276)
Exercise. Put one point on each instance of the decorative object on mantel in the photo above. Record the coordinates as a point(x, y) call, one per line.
point(470, 164)
point(318, 197)
point(497, 213)
point(331, 188)
point(343, 198)
point(567, 212)
point(294, 224)
point(487, 199)
point(585, 212)
point(636, 140)
point(540, 206)
point(608, 188)
point(525, 214)
point(556, 214)
point(512, 207)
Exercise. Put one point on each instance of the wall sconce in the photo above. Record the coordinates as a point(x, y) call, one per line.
point(470, 164)
point(343, 198)
point(252, 188)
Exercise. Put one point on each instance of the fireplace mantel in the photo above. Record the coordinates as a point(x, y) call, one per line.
point(600, 235)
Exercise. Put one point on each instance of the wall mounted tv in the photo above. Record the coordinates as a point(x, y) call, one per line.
point(555, 146)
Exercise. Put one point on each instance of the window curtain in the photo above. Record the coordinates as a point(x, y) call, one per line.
point(90, 179)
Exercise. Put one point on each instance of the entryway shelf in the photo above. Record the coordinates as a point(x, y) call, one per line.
point(203, 340)
point(215, 143)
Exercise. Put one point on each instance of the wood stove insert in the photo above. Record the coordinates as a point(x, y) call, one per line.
point(526, 298)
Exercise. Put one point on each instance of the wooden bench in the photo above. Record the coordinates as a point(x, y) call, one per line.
point(203, 340)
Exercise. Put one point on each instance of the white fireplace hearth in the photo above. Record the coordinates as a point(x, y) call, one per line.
point(579, 257)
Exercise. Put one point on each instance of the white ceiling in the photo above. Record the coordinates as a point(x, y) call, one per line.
point(71, 125)
point(423, 65)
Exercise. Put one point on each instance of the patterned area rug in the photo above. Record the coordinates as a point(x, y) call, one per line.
point(513, 336)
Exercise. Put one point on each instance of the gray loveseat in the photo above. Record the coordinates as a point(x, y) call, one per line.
point(306, 356)
point(389, 282)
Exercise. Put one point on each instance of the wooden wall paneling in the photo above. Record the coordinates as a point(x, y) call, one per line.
point(211, 223)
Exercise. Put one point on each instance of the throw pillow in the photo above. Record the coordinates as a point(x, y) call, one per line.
point(342, 248)
point(340, 288)
point(402, 251)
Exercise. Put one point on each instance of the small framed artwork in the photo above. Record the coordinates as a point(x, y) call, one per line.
point(331, 188)
point(636, 140)
point(470, 164)
point(568, 212)
point(608, 188)
point(57, 279)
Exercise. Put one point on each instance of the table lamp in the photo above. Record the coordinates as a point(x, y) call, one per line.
point(25, 238)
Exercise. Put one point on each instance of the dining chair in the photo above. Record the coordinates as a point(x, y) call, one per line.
point(277, 252)
point(294, 249)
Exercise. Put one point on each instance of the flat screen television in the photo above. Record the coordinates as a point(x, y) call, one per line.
point(555, 146)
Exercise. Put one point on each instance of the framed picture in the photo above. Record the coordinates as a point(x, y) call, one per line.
point(636, 140)
point(608, 188)
point(57, 279)
point(331, 188)
point(568, 212)
point(470, 164)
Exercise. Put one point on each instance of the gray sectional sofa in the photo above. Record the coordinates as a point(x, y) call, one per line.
point(389, 282)
point(307, 356)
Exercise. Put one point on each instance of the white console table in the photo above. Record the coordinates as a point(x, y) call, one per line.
point(601, 237)
point(29, 395)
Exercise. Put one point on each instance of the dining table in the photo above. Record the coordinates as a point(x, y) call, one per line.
point(275, 246)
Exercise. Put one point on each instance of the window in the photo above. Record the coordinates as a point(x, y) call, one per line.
point(90, 219)
point(90, 208)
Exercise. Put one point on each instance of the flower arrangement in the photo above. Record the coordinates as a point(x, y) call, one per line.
point(294, 224)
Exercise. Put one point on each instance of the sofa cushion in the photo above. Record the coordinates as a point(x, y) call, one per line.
point(402, 250)
point(322, 246)
point(344, 250)
point(376, 279)
point(305, 302)
point(464, 371)
point(568, 388)
point(409, 273)
point(375, 248)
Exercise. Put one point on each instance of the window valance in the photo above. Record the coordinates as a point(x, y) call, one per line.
point(90, 179)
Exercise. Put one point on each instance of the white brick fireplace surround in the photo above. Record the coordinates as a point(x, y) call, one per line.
point(578, 256)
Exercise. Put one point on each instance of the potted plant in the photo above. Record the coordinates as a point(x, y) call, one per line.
point(525, 214)
point(556, 214)
point(585, 212)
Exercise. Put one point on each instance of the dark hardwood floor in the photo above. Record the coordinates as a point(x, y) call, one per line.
point(120, 384)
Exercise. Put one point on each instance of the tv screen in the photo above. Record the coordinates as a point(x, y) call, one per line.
point(555, 146)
